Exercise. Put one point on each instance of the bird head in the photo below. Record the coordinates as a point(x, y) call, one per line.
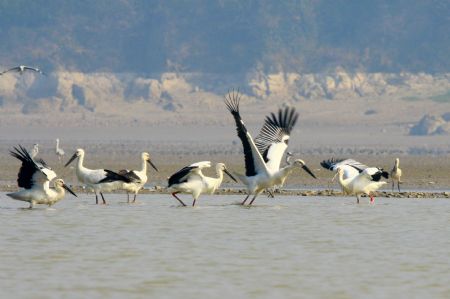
point(146, 157)
point(59, 183)
point(79, 152)
point(300, 163)
point(222, 167)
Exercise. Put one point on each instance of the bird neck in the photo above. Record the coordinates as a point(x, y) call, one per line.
point(219, 173)
point(57, 144)
point(60, 192)
point(144, 166)
point(341, 179)
point(80, 162)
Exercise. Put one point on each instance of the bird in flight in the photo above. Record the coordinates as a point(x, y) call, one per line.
point(22, 68)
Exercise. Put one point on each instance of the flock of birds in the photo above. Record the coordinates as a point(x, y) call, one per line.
point(262, 156)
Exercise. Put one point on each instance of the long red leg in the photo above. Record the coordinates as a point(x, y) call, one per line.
point(253, 199)
point(372, 199)
point(243, 203)
point(174, 195)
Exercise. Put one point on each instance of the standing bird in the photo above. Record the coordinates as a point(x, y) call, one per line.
point(190, 179)
point(138, 178)
point(263, 156)
point(34, 177)
point(396, 174)
point(100, 180)
point(34, 150)
point(59, 151)
point(22, 68)
point(356, 178)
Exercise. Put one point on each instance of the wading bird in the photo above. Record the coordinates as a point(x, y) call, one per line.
point(138, 178)
point(190, 179)
point(396, 174)
point(59, 151)
point(263, 156)
point(22, 68)
point(35, 150)
point(356, 178)
point(34, 177)
point(100, 180)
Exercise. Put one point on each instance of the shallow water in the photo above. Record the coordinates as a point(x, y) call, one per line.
point(289, 247)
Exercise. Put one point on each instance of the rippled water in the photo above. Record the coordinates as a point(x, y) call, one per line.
point(284, 248)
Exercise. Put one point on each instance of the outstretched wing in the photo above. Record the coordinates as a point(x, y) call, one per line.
point(273, 139)
point(31, 173)
point(254, 162)
point(16, 68)
point(334, 164)
point(183, 174)
point(34, 69)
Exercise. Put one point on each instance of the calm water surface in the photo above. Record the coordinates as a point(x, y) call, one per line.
point(284, 248)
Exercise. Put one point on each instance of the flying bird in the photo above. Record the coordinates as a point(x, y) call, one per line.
point(22, 68)
point(100, 180)
point(138, 178)
point(190, 179)
point(263, 155)
point(35, 177)
point(361, 180)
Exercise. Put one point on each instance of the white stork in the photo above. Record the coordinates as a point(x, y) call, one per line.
point(396, 174)
point(35, 150)
point(138, 178)
point(34, 177)
point(355, 177)
point(59, 151)
point(22, 68)
point(100, 180)
point(190, 179)
point(263, 156)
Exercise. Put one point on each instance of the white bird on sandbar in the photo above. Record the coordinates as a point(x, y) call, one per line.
point(22, 68)
point(34, 150)
point(263, 156)
point(138, 178)
point(59, 151)
point(355, 177)
point(190, 179)
point(100, 180)
point(396, 174)
point(34, 177)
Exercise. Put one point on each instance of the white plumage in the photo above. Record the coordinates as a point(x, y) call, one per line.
point(396, 174)
point(190, 179)
point(34, 177)
point(59, 151)
point(263, 156)
point(355, 177)
point(138, 178)
point(22, 68)
point(34, 150)
point(100, 180)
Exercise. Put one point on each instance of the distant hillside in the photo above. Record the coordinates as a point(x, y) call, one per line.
point(226, 37)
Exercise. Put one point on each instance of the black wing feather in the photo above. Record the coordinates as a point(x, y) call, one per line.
point(179, 176)
point(274, 128)
point(112, 176)
point(130, 174)
point(232, 101)
point(28, 168)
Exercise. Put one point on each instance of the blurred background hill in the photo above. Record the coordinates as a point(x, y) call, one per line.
point(227, 36)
